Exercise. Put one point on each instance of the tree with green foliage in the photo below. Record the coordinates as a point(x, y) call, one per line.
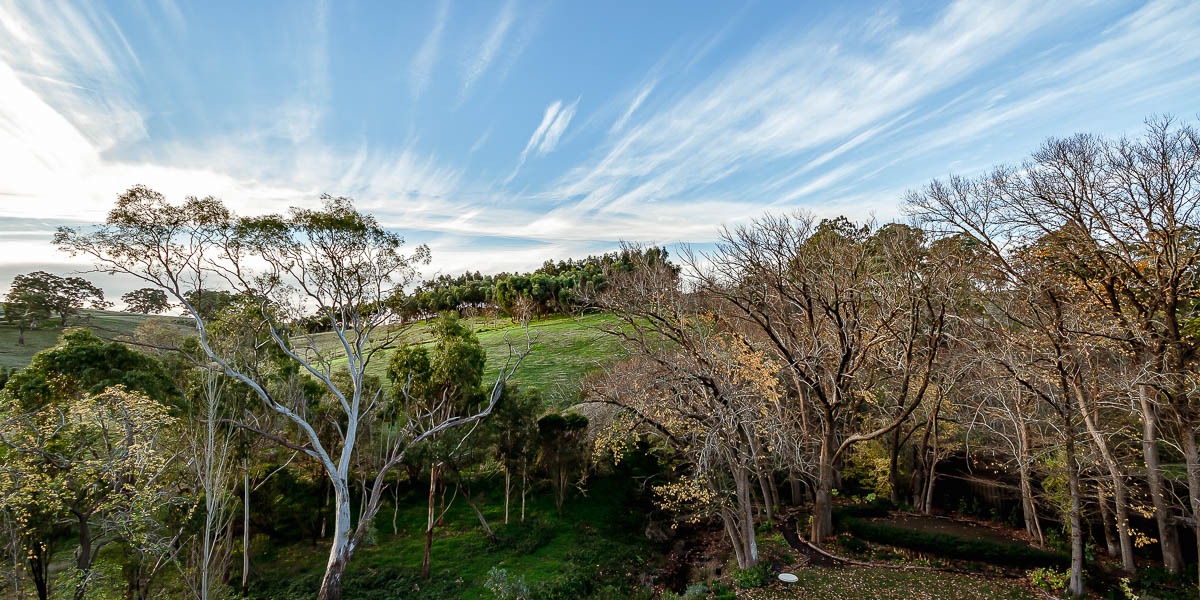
point(441, 382)
point(560, 440)
point(513, 429)
point(150, 301)
point(35, 296)
point(334, 260)
point(96, 461)
point(28, 302)
point(82, 364)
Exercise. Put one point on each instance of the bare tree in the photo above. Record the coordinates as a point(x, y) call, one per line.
point(1122, 220)
point(856, 316)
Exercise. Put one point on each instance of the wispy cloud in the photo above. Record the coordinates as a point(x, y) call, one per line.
point(637, 101)
point(790, 97)
point(488, 51)
point(545, 138)
point(423, 62)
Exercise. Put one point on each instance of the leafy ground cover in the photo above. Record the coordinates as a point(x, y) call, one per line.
point(870, 583)
point(587, 552)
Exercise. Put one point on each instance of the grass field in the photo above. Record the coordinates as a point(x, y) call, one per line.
point(564, 349)
point(106, 324)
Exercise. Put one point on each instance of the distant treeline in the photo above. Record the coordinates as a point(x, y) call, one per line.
point(552, 288)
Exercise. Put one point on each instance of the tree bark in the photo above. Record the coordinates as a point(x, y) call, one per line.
point(245, 531)
point(507, 491)
point(340, 548)
point(1111, 546)
point(1168, 541)
point(1075, 586)
point(1192, 458)
point(1028, 506)
point(822, 517)
point(745, 518)
point(434, 473)
point(1118, 482)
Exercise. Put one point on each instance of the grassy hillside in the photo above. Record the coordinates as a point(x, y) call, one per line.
point(564, 349)
point(106, 324)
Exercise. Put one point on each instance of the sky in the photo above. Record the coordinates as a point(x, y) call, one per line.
point(509, 132)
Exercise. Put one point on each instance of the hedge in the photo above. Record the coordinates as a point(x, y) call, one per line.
point(1000, 553)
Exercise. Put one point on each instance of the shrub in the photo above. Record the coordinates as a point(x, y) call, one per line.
point(720, 591)
point(955, 547)
point(696, 591)
point(1051, 580)
point(506, 587)
point(878, 508)
point(753, 577)
point(851, 544)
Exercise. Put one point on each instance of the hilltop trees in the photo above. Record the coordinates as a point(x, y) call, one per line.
point(333, 260)
point(35, 296)
point(150, 301)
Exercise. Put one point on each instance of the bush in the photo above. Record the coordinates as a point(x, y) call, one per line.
point(753, 577)
point(876, 509)
point(851, 544)
point(951, 546)
point(1051, 580)
point(506, 587)
point(696, 591)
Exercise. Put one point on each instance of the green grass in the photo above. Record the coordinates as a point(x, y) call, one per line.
point(106, 324)
point(869, 583)
point(564, 349)
point(461, 555)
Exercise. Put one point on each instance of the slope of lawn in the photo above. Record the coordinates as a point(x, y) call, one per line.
point(106, 324)
point(564, 349)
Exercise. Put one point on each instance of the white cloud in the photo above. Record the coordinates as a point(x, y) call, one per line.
point(637, 101)
point(545, 138)
point(479, 63)
point(789, 97)
point(422, 65)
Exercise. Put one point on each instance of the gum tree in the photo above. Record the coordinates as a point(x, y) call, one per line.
point(333, 262)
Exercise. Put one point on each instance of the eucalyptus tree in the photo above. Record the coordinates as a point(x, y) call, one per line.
point(333, 261)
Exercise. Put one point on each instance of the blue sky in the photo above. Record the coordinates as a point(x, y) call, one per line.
point(504, 133)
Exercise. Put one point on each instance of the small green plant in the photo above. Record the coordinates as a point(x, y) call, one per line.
point(720, 591)
point(870, 497)
point(504, 586)
point(699, 591)
point(1049, 579)
point(1128, 590)
point(753, 577)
